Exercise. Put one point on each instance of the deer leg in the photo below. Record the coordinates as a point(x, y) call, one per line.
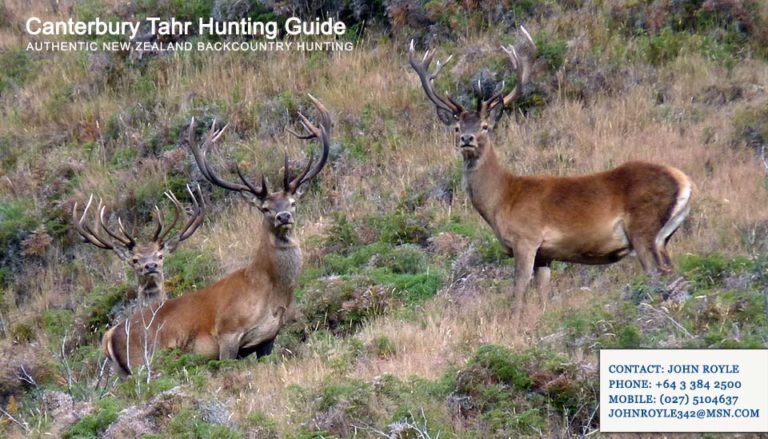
point(665, 262)
point(525, 255)
point(648, 256)
point(228, 346)
point(262, 349)
point(543, 275)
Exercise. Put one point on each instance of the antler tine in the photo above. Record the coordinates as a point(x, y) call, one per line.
point(84, 229)
point(422, 69)
point(177, 210)
point(159, 227)
point(325, 115)
point(126, 240)
point(286, 176)
point(212, 137)
point(259, 193)
point(439, 66)
point(323, 133)
point(303, 173)
point(300, 136)
point(528, 36)
point(195, 219)
point(122, 230)
point(522, 64)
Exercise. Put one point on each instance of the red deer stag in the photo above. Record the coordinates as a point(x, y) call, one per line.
point(590, 219)
point(243, 312)
point(146, 258)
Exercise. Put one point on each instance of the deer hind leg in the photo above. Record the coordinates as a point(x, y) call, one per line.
point(677, 216)
point(262, 349)
point(647, 254)
point(543, 276)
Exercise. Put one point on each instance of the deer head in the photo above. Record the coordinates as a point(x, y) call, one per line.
point(472, 126)
point(145, 257)
point(279, 207)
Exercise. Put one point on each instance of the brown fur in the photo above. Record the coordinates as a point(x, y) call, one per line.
point(590, 219)
point(242, 313)
point(218, 320)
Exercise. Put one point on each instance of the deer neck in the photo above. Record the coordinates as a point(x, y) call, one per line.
point(279, 255)
point(486, 181)
point(151, 288)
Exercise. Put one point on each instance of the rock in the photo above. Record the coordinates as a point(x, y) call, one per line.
point(149, 418)
point(447, 244)
point(484, 83)
point(738, 281)
point(64, 411)
point(678, 291)
point(466, 263)
point(215, 412)
point(230, 10)
point(153, 417)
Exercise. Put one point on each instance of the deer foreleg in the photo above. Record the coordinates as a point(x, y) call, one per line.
point(525, 255)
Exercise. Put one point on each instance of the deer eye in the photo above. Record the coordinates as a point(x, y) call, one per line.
point(135, 260)
point(160, 257)
point(456, 128)
point(485, 126)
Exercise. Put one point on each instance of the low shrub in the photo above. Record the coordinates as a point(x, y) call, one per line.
point(94, 424)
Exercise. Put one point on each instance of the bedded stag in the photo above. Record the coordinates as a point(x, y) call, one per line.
point(146, 258)
point(243, 312)
point(589, 219)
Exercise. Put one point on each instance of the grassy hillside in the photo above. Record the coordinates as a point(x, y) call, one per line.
point(405, 326)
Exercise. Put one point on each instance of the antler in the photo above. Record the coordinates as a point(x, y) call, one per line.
point(91, 236)
point(205, 168)
point(312, 132)
point(193, 222)
point(426, 78)
point(522, 63)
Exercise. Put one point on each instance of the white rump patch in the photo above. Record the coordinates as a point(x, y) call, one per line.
point(679, 212)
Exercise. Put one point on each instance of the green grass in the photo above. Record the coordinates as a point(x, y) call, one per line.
point(709, 271)
point(99, 303)
point(16, 67)
point(190, 423)
point(188, 270)
point(15, 219)
point(92, 425)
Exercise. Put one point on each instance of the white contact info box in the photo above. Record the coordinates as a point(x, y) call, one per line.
point(684, 390)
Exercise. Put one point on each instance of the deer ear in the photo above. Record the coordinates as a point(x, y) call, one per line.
point(300, 191)
point(171, 245)
point(446, 117)
point(495, 115)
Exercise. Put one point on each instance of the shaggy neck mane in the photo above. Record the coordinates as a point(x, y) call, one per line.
point(151, 287)
point(486, 182)
point(278, 255)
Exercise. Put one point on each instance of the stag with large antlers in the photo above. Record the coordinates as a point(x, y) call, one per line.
point(145, 257)
point(242, 313)
point(590, 219)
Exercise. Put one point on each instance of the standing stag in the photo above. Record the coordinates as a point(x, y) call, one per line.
point(146, 258)
point(243, 312)
point(590, 219)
